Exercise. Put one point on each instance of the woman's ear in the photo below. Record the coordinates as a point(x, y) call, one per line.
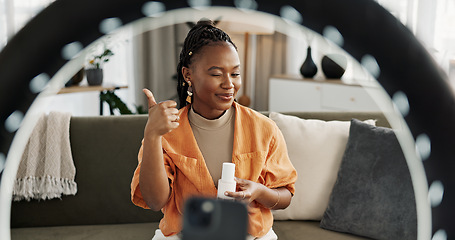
point(186, 72)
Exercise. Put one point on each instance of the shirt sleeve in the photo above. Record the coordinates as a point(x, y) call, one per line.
point(136, 195)
point(279, 170)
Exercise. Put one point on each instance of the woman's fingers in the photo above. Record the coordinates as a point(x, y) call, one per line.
point(152, 102)
point(244, 191)
point(163, 116)
point(173, 118)
point(170, 114)
point(169, 110)
point(169, 104)
point(150, 98)
point(241, 195)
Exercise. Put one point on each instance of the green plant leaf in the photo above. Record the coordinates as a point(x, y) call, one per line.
point(114, 102)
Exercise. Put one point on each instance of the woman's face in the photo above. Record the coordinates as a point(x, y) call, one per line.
point(215, 78)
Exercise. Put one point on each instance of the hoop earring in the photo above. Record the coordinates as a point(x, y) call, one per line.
point(189, 92)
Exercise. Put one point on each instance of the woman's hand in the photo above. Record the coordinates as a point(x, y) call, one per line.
point(153, 180)
point(253, 193)
point(163, 117)
point(247, 191)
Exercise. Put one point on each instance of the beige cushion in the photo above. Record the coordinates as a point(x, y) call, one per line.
point(315, 148)
point(87, 232)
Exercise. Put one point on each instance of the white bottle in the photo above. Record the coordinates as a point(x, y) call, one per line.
point(227, 182)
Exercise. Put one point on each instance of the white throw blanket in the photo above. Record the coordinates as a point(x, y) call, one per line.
point(47, 169)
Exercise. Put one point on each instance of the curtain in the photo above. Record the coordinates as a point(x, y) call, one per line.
point(444, 36)
point(270, 60)
point(156, 56)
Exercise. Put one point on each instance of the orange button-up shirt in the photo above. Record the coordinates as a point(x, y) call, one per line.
point(259, 155)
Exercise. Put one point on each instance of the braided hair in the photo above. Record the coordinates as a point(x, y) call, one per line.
point(202, 34)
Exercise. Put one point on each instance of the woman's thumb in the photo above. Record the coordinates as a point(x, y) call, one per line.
point(150, 98)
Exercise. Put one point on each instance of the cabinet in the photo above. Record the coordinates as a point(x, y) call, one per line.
point(293, 93)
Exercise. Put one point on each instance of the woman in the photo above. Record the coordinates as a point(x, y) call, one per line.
point(210, 128)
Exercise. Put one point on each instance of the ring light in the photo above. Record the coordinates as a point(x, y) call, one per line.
point(369, 33)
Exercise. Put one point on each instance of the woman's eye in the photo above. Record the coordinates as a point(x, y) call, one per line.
point(236, 74)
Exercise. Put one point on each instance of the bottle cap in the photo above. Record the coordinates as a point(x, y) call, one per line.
point(228, 172)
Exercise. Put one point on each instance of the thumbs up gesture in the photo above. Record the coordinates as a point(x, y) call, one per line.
point(163, 116)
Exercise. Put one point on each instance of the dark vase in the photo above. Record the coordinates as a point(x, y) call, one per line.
point(333, 66)
point(94, 76)
point(308, 68)
point(76, 79)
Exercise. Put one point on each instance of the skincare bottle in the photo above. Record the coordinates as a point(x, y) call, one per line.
point(227, 182)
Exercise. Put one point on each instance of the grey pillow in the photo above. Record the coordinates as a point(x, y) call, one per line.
point(373, 195)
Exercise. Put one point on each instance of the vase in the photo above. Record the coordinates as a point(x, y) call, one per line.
point(76, 79)
point(94, 76)
point(308, 68)
point(333, 65)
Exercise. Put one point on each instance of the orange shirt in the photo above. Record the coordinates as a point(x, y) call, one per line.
point(259, 155)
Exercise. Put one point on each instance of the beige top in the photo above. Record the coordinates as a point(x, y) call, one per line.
point(215, 139)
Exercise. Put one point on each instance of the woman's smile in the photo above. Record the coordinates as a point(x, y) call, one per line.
point(225, 96)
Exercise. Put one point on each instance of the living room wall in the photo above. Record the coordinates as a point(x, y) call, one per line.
point(431, 21)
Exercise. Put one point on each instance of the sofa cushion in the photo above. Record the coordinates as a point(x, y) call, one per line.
point(315, 148)
point(286, 230)
point(105, 155)
point(373, 195)
point(88, 232)
point(297, 230)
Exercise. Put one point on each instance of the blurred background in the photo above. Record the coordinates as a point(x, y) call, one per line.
point(271, 52)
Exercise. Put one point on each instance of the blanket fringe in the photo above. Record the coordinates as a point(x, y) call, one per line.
point(42, 188)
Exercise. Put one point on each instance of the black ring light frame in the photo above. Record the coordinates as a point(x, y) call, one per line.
point(366, 27)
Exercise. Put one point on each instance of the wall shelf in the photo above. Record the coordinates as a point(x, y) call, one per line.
point(86, 88)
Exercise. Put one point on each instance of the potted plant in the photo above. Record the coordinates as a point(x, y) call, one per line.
point(94, 72)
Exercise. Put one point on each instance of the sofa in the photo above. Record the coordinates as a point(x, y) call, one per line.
point(104, 150)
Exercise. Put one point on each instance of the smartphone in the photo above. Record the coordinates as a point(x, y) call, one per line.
point(219, 219)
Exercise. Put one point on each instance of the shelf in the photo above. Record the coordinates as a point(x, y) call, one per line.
point(104, 87)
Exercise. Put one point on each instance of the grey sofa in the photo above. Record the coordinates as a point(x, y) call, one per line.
point(105, 151)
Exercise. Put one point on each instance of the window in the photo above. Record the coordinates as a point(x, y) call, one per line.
point(444, 39)
point(14, 14)
point(433, 22)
